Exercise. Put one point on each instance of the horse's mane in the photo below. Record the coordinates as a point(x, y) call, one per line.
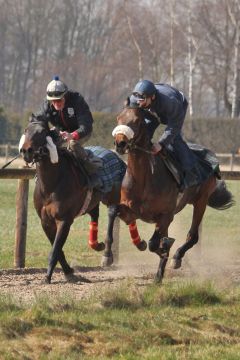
point(144, 112)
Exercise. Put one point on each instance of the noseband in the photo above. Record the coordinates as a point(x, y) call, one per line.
point(129, 133)
point(48, 149)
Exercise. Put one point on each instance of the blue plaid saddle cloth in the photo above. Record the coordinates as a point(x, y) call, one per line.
point(113, 169)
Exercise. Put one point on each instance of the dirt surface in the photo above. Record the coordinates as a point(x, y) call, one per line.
point(27, 284)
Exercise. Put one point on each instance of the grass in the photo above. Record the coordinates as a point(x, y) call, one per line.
point(178, 321)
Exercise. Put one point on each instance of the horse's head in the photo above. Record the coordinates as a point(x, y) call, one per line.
point(34, 143)
point(131, 130)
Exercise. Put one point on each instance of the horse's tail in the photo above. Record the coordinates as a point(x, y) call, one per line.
point(221, 198)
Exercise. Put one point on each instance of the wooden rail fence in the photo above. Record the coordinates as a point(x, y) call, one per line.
point(232, 158)
point(24, 175)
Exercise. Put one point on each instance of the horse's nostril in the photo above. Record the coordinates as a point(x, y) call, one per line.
point(122, 144)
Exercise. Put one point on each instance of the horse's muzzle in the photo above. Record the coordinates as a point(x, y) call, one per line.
point(121, 147)
point(29, 155)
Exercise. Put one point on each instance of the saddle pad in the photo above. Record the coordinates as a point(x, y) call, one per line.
point(206, 165)
point(113, 169)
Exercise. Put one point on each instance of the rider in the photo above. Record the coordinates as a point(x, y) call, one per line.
point(68, 112)
point(169, 107)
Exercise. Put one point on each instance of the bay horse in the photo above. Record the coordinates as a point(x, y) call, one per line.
point(151, 193)
point(62, 193)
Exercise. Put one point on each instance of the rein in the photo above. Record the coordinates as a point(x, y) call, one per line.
point(9, 162)
point(133, 146)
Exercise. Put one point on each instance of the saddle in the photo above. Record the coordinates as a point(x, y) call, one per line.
point(207, 164)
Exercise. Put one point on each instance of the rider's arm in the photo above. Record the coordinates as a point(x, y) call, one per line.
point(84, 118)
point(174, 114)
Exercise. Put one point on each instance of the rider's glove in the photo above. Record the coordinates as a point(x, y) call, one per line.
point(156, 148)
point(66, 135)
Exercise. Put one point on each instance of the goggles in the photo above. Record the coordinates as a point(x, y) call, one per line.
point(139, 96)
point(55, 93)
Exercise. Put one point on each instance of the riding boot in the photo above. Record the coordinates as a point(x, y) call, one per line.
point(192, 178)
point(90, 163)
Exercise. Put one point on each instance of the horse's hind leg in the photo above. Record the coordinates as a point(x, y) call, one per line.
point(50, 230)
point(192, 237)
point(93, 230)
point(136, 240)
point(107, 258)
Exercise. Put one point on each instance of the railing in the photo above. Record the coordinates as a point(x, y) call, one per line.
point(233, 159)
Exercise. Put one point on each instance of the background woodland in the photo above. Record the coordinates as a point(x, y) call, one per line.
point(101, 48)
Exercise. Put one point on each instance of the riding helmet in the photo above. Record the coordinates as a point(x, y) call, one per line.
point(144, 87)
point(56, 89)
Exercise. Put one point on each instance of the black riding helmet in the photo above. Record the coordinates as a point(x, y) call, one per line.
point(143, 89)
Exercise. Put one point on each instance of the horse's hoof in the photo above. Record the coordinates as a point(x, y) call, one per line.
point(71, 278)
point(142, 245)
point(175, 263)
point(107, 261)
point(157, 280)
point(100, 246)
point(69, 272)
point(46, 280)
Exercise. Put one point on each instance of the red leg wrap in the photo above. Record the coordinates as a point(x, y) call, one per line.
point(134, 233)
point(93, 234)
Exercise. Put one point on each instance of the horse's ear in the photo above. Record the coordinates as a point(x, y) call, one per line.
point(127, 102)
point(32, 118)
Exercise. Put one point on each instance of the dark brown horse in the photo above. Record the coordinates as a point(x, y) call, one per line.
point(62, 193)
point(150, 192)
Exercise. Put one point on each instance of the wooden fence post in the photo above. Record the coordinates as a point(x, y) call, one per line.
point(115, 246)
point(21, 223)
point(232, 161)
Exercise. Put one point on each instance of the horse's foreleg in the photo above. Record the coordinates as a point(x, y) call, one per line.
point(161, 244)
point(63, 228)
point(50, 230)
point(192, 237)
point(107, 258)
point(93, 230)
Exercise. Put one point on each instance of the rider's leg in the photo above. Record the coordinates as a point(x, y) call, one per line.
point(188, 161)
point(91, 167)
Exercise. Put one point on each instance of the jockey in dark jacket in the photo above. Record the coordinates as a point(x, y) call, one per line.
point(169, 107)
point(67, 111)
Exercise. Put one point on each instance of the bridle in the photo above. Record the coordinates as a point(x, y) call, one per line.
point(131, 143)
point(131, 146)
point(42, 150)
